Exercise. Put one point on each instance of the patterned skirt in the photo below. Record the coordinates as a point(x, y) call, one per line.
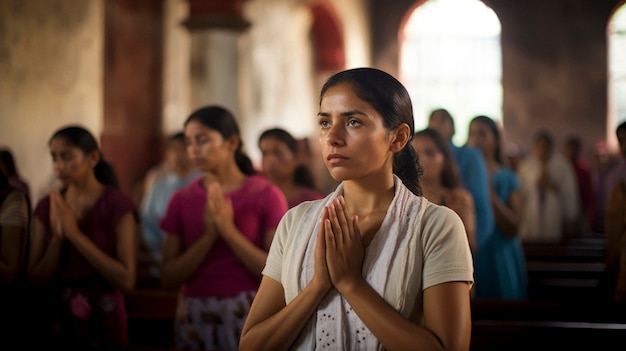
point(211, 323)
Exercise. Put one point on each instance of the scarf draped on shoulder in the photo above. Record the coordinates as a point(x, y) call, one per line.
point(395, 251)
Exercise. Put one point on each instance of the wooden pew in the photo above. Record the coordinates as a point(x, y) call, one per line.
point(565, 324)
point(151, 319)
point(579, 249)
point(573, 269)
point(565, 280)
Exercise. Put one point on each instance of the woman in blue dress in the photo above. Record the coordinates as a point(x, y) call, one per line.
point(500, 265)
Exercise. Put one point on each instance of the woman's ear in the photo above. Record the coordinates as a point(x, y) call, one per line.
point(401, 136)
point(234, 141)
point(94, 158)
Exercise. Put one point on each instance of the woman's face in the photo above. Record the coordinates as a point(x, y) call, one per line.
point(207, 148)
point(353, 140)
point(177, 155)
point(431, 158)
point(278, 161)
point(481, 137)
point(70, 163)
point(442, 124)
point(543, 150)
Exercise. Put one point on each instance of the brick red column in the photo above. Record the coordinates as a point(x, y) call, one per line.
point(327, 39)
point(224, 14)
point(132, 131)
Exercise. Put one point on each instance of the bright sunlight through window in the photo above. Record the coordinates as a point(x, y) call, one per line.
point(450, 57)
point(617, 70)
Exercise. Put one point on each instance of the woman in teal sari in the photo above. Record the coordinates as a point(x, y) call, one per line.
point(500, 264)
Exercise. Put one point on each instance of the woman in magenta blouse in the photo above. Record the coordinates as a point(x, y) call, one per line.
point(82, 250)
point(219, 230)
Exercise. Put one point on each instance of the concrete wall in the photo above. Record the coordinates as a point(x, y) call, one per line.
point(50, 75)
point(555, 68)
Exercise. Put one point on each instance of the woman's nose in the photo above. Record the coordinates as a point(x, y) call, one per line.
point(192, 149)
point(335, 135)
point(57, 165)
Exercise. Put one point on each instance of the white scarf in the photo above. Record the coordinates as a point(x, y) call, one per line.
point(393, 250)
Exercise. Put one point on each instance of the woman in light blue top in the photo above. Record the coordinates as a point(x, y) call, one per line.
point(179, 172)
point(500, 264)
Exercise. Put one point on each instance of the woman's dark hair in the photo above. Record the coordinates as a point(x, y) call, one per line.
point(575, 143)
point(443, 114)
point(302, 175)
point(178, 136)
point(620, 127)
point(4, 179)
point(7, 160)
point(449, 174)
point(390, 98)
point(223, 122)
point(81, 138)
point(496, 134)
point(545, 136)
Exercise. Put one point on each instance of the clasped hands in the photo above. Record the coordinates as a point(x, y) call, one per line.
point(62, 217)
point(339, 251)
point(218, 212)
point(545, 181)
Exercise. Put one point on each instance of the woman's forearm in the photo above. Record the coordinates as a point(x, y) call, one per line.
point(176, 271)
point(41, 269)
point(119, 270)
point(394, 331)
point(252, 256)
point(280, 330)
point(110, 268)
point(12, 251)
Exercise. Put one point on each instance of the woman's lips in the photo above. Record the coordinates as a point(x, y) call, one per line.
point(334, 159)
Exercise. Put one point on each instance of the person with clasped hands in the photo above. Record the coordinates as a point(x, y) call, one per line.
point(373, 265)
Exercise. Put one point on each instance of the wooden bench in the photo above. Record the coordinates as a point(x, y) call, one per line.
point(583, 249)
point(564, 280)
point(151, 319)
point(565, 324)
point(573, 269)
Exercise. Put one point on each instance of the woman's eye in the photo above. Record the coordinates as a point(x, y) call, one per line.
point(354, 123)
point(66, 156)
point(324, 124)
point(431, 153)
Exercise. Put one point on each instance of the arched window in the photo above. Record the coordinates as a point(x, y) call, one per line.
point(617, 72)
point(450, 57)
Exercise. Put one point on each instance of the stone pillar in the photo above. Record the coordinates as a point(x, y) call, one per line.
point(215, 27)
point(132, 130)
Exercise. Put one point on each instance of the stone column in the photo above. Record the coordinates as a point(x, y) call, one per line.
point(215, 27)
point(132, 130)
